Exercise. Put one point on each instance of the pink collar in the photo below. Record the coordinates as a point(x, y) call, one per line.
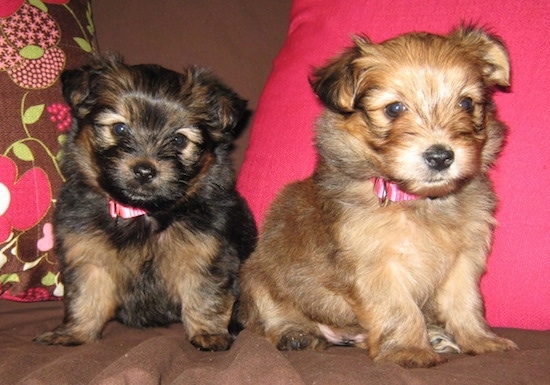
point(389, 191)
point(119, 210)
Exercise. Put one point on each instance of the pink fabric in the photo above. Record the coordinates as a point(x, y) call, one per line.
point(119, 210)
point(517, 285)
point(390, 191)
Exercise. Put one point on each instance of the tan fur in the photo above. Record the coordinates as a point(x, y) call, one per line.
point(195, 253)
point(200, 251)
point(333, 264)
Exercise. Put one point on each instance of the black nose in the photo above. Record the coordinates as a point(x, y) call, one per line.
point(438, 157)
point(144, 172)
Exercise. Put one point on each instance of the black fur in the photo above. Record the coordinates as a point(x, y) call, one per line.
point(179, 127)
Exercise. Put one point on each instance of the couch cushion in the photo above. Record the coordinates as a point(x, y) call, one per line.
point(38, 39)
point(516, 287)
point(162, 355)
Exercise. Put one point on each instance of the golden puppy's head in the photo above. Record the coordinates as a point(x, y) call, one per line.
point(416, 109)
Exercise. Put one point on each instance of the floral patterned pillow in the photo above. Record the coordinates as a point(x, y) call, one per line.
point(38, 40)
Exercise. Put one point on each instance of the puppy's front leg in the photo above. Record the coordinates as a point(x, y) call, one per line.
point(89, 303)
point(460, 308)
point(396, 326)
point(206, 311)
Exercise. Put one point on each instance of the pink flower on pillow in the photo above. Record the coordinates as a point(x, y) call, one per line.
point(28, 45)
point(23, 201)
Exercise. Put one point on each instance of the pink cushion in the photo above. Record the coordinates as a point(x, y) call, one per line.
point(517, 285)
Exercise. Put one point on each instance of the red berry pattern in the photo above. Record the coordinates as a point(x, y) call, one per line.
point(60, 114)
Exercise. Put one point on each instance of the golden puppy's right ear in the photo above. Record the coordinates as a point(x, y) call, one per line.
point(490, 50)
point(337, 83)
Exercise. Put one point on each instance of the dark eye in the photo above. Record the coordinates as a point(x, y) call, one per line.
point(179, 140)
point(467, 104)
point(120, 129)
point(394, 110)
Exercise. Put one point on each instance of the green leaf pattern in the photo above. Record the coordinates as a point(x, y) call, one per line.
point(84, 44)
point(33, 114)
point(39, 4)
point(32, 52)
point(22, 151)
point(84, 41)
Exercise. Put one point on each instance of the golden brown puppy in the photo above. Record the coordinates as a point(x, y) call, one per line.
point(149, 228)
point(392, 230)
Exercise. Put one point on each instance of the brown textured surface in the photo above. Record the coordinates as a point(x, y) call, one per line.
point(163, 356)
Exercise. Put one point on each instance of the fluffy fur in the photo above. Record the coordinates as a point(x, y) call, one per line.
point(335, 263)
point(158, 141)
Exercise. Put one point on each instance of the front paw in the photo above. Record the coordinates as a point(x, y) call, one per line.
point(212, 342)
point(487, 344)
point(57, 338)
point(412, 357)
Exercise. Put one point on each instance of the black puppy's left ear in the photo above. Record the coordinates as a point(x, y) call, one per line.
point(78, 84)
point(490, 49)
point(221, 105)
point(75, 86)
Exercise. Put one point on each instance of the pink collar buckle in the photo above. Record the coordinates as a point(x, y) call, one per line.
point(119, 210)
point(389, 191)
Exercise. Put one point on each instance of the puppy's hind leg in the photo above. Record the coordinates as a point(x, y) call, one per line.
point(441, 341)
point(284, 326)
point(294, 336)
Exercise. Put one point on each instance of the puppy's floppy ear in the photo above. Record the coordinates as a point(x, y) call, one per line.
point(78, 84)
point(221, 105)
point(337, 83)
point(491, 51)
point(75, 87)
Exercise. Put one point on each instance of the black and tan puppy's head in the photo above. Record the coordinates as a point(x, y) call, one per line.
point(145, 134)
point(418, 108)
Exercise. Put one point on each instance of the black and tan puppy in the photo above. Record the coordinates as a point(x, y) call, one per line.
point(389, 237)
point(149, 228)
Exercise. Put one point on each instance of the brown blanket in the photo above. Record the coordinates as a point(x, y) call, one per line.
point(163, 356)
